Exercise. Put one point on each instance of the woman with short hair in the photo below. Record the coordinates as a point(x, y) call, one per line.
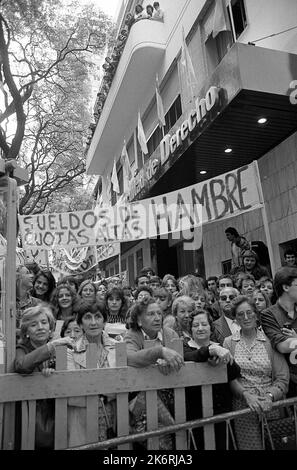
point(264, 373)
point(92, 321)
point(36, 352)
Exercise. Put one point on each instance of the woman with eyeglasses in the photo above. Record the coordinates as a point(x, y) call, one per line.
point(264, 374)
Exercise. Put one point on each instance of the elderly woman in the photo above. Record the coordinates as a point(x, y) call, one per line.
point(63, 299)
point(264, 373)
point(87, 292)
point(246, 284)
point(43, 285)
point(182, 309)
point(92, 322)
point(146, 324)
point(190, 284)
point(200, 348)
point(36, 352)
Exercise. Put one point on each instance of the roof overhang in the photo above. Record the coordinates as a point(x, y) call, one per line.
point(136, 72)
point(255, 83)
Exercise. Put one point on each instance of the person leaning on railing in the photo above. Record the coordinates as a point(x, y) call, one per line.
point(264, 374)
point(200, 348)
point(36, 352)
point(145, 323)
point(92, 320)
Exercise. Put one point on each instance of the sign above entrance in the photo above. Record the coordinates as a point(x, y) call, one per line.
point(197, 118)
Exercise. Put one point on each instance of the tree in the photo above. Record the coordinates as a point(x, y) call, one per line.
point(47, 64)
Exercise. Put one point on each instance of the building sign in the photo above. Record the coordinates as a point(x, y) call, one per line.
point(196, 119)
point(224, 196)
point(206, 109)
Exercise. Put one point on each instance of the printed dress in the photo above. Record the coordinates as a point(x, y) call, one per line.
point(256, 377)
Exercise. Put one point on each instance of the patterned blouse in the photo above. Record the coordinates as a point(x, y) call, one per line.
point(254, 362)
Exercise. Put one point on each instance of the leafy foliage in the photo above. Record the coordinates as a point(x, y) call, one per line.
point(48, 60)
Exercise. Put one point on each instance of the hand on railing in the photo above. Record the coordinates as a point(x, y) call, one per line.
point(219, 355)
point(60, 342)
point(256, 403)
point(173, 358)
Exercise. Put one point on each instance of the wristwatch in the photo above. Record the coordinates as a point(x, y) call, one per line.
point(270, 395)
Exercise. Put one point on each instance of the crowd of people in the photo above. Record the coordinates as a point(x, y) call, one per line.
point(246, 320)
point(150, 12)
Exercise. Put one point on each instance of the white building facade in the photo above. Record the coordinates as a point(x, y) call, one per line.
point(255, 81)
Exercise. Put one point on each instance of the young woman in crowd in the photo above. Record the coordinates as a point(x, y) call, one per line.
point(251, 265)
point(87, 292)
point(92, 321)
point(261, 301)
point(170, 283)
point(115, 304)
point(264, 374)
point(63, 301)
point(265, 284)
point(71, 280)
point(71, 329)
point(163, 297)
point(36, 352)
point(43, 286)
point(101, 291)
point(128, 293)
point(201, 348)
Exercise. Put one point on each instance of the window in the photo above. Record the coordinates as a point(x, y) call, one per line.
point(226, 266)
point(154, 140)
point(139, 260)
point(237, 17)
point(173, 114)
point(235, 20)
point(123, 265)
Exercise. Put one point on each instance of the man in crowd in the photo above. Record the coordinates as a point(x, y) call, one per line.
point(279, 321)
point(223, 281)
point(238, 244)
point(225, 325)
point(290, 258)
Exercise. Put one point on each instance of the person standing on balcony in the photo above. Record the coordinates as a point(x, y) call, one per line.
point(140, 13)
point(158, 13)
point(150, 11)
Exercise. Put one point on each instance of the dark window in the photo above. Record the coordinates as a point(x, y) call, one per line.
point(239, 16)
point(283, 247)
point(123, 264)
point(172, 115)
point(226, 266)
point(154, 140)
point(139, 260)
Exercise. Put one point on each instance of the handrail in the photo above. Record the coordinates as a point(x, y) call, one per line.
point(178, 427)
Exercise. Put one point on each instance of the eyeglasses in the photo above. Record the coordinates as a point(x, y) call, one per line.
point(225, 297)
point(241, 315)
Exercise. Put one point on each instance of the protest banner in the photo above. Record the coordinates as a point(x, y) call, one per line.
point(218, 198)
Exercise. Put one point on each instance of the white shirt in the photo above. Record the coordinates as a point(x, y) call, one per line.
point(233, 325)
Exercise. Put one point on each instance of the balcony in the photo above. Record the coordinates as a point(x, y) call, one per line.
point(133, 82)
